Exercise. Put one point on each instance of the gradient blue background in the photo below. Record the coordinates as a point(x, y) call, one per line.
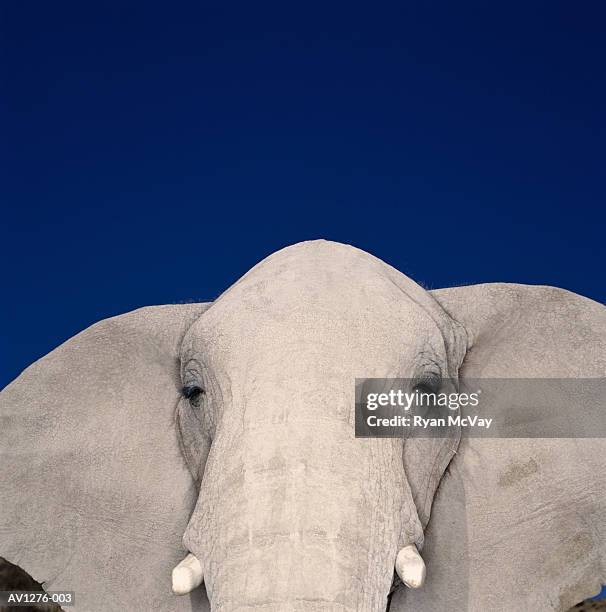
point(152, 153)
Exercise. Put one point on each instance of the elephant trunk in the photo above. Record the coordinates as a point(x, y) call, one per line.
point(284, 519)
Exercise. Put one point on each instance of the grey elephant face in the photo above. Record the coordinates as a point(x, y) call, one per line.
point(289, 510)
point(292, 506)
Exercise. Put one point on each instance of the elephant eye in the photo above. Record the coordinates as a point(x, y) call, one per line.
point(427, 384)
point(423, 388)
point(194, 394)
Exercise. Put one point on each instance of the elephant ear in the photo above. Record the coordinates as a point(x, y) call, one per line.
point(94, 492)
point(520, 524)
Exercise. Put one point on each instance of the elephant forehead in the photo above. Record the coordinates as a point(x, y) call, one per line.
point(323, 286)
point(336, 326)
point(317, 271)
point(319, 297)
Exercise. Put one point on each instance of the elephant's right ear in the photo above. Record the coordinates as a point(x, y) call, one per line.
point(94, 492)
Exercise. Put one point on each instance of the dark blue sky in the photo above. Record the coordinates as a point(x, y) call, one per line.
point(153, 153)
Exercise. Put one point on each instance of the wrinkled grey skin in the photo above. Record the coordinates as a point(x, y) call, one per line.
point(110, 476)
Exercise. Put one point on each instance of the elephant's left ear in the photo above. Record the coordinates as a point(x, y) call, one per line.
point(519, 523)
point(94, 492)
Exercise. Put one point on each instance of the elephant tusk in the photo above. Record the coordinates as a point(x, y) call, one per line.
point(187, 575)
point(410, 567)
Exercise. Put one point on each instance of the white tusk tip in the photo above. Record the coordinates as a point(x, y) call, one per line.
point(187, 575)
point(410, 567)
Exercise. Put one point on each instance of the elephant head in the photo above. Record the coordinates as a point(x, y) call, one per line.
point(214, 443)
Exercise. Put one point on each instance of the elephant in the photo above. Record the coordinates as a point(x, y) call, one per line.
point(202, 456)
